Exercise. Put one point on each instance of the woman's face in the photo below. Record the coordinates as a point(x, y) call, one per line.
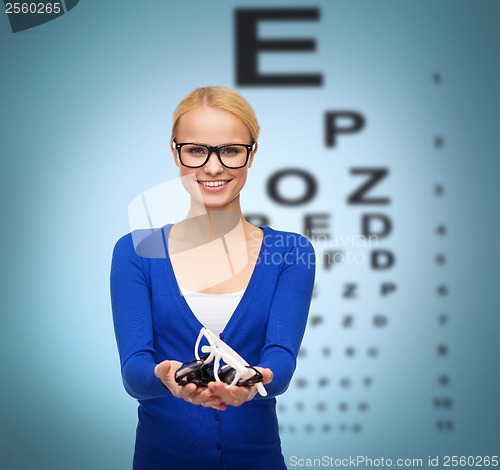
point(210, 126)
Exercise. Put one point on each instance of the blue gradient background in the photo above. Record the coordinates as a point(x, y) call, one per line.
point(86, 103)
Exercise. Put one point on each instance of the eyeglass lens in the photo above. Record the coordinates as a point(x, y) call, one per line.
point(251, 377)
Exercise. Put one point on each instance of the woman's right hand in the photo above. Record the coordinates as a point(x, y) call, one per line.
point(203, 396)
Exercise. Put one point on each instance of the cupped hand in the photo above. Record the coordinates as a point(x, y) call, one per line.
point(203, 396)
point(236, 396)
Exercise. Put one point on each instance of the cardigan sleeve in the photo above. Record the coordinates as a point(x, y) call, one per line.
point(288, 314)
point(131, 306)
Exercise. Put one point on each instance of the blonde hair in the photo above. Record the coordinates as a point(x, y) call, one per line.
point(218, 97)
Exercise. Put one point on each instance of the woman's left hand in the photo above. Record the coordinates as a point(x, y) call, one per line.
point(236, 396)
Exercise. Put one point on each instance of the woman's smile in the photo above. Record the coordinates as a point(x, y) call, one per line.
point(214, 186)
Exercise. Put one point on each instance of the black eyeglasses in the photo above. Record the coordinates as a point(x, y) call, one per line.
point(193, 155)
point(200, 373)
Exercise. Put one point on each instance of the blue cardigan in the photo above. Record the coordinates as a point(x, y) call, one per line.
point(153, 323)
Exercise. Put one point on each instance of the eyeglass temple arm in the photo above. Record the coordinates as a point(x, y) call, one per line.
point(224, 347)
point(229, 359)
point(203, 348)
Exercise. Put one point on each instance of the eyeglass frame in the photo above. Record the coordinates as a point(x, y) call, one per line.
point(178, 146)
point(201, 373)
point(218, 350)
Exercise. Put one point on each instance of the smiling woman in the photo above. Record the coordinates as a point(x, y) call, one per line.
point(220, 273)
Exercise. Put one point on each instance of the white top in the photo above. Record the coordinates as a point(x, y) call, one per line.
point(213, 311)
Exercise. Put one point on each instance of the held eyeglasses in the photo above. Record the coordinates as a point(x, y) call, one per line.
point(228, 366)
point(193, 155)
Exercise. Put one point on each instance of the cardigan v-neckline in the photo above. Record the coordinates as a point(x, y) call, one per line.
point(177, 294)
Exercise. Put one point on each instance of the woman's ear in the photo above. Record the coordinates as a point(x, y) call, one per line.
point(252, 154)
point(175, 154)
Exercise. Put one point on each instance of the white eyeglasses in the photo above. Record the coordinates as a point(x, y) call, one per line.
point(236, 370)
